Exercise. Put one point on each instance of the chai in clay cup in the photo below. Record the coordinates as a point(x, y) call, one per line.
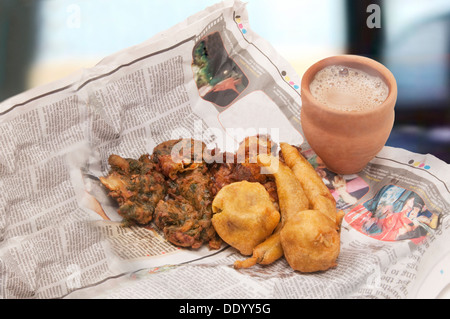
point(347, 140)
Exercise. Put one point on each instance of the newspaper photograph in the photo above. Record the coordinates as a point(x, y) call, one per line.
point(77, 176)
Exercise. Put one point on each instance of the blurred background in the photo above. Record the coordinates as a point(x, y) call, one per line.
point(44, 40)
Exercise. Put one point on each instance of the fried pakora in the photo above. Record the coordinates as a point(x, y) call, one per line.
point(185, 216)
point(136, 186)
point(243, 166)
point(244, 215)
point(171, 187)
point(308, 235)
point(185, 226)
point(311, 239)
point(176, 156)
point(291, 199)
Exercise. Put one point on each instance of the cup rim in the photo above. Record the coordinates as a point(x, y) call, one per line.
point(350, 59)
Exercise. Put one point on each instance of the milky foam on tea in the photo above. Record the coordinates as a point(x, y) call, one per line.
point(348, 89)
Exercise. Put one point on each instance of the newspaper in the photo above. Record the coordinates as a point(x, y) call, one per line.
point(61, 236)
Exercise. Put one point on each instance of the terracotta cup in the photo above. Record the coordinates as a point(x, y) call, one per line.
point(346, 141)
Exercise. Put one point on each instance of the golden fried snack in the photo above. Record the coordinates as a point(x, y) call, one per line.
point(308, 235)
point(317, 192)
point(265, 253)
point(291, 200)
point(244, 215)
point(291, 195)
point(177, 156)
point(243, 165)
point(184, 214)
point(310, 241)
point(310, 238)
point(136, 186)
point(252, 146)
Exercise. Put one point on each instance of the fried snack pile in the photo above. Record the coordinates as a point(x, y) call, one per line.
point(175, 189)
point(264, 205)
point(244, 215)
point(171, 187)
point(308, 234)
point(318, 229)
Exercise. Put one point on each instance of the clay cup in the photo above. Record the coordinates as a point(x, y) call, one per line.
point(347, 140)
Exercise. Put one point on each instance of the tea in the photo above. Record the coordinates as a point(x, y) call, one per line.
point(347, 110)
point(348, 89)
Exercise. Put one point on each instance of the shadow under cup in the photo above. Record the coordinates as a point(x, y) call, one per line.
point(347, 140)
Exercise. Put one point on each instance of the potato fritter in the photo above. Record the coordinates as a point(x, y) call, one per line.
point(244, 215)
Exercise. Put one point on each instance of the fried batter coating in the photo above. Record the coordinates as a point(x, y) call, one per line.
point(136, 186)
point(308, 235)
point(310, 241)
point(185, 217)
point(291, 199)
point(317, 192)
point(243, 166)
point(291, 195)
point(194, 187)
point(172, 187)
point(265, 253)
point(185, 226)
point(244, 215)
point(310, 238)
point(176, 156)
point(175, 187)
point(252, 146)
